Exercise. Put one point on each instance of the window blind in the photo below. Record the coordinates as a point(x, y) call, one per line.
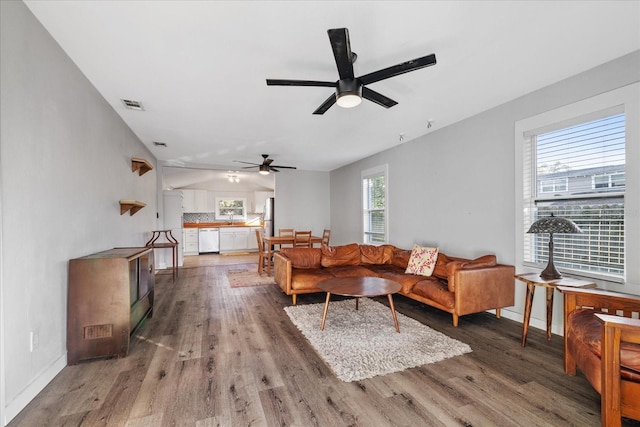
point(578, 172)
point(374, 208)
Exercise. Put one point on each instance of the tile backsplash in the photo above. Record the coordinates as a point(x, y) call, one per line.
point(199, 217)
point(211, 217)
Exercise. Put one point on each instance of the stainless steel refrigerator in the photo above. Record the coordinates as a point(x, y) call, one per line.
point(269, 206)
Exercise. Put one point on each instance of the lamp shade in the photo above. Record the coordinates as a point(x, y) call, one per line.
point(553, 224)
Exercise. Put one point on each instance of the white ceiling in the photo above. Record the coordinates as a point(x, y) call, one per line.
point(199, 67)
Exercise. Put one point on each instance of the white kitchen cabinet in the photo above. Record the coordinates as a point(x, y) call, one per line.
point(190, 246)
point(194, 201)
point(259, 198)
point(234, 239)
point(252, 243)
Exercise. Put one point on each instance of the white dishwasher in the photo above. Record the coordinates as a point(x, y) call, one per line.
point(208, 240)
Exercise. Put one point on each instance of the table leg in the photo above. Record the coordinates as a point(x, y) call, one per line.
point(393, 313)
point(528, 302)
point(549, 311)
point(269, 259)
point(357, 299)
point(324, 313)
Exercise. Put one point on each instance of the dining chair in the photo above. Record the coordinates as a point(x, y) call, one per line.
point(326, 236)
point(302, 239)
point(263, 255)
point(286, 232)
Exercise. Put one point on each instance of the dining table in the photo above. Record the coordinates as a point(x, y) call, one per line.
point(271, 241)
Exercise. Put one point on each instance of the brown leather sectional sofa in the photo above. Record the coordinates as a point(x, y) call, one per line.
point(458, 286)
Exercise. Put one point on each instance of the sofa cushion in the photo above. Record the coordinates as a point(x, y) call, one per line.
point(401, 257)
point(440, 270)
point(407, 281)
point(370, 254)
point(436, 291)
point(351, 271)
point(303, 257)
point(308, 278)
point(335, 256)
point(422, 260)
point(585, 327)
point(483, 261)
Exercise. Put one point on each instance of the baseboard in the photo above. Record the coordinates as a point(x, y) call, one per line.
point(533, 323)
point(23, 398)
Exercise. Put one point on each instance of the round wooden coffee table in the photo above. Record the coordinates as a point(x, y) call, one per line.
point(359, 287)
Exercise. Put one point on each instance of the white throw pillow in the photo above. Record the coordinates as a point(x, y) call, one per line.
point(422, 261)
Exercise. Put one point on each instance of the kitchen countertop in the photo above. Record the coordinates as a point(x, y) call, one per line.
point(219, 224)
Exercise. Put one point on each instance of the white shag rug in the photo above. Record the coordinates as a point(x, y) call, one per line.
point(364, 343)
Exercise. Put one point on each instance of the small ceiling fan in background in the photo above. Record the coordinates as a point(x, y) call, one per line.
point(266, 166)
point(350, 90)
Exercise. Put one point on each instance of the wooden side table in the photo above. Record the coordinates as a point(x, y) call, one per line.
point(171, 242)
point(532, 280)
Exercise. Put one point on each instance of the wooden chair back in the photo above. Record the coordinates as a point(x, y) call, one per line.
point(326, 236)
point(302, 239)
point(264, 260)
point(286, 232)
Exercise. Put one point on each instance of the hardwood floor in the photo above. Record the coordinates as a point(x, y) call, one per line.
point(216, 356)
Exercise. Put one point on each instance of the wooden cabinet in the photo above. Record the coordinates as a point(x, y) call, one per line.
point(109, 295)
point(190, 246)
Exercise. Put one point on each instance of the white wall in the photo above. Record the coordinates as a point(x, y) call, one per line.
point(65, 157)
point(455, 187)
point(302, 201)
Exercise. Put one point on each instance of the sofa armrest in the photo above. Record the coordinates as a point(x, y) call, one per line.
point(615, 329)
point(484, 288)
point(282, 272)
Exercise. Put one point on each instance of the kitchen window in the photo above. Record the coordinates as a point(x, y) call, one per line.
point(593, 144)
point(374, 205)
point(231, 209)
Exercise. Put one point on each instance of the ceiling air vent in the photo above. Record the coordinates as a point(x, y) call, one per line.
point(132, 105)
point(160, 144)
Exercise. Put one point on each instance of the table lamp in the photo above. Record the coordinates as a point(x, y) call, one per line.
point(552, 224)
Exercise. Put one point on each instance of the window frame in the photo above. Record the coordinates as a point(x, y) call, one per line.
point(220, 215)
point(627, 98)
point(370, 173)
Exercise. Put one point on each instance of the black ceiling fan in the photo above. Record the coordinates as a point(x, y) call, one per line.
point(265, 167)
point(349, 89)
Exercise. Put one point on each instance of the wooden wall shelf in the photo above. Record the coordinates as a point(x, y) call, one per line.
point(140, 165)
point(132, 206)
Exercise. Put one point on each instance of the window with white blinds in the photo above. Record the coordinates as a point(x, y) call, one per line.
point(576, 170)
point(374, 203)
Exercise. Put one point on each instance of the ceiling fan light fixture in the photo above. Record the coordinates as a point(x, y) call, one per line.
point(264, 170)
point(348, 93)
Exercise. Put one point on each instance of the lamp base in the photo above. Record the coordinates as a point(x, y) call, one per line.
point(550, 273)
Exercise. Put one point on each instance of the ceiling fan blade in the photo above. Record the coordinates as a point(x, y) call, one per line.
point(339, 38)
point(272, 169)
point(284, 167)
point(405, 67)
point(248, 163)
point(326, 105)
point(283, 82)
point(267, 162)
point(378, 98)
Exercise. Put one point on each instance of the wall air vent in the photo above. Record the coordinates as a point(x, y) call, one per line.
point(160, 144)
point(132, 105)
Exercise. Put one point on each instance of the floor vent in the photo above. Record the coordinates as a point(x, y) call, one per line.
point(98, 331)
